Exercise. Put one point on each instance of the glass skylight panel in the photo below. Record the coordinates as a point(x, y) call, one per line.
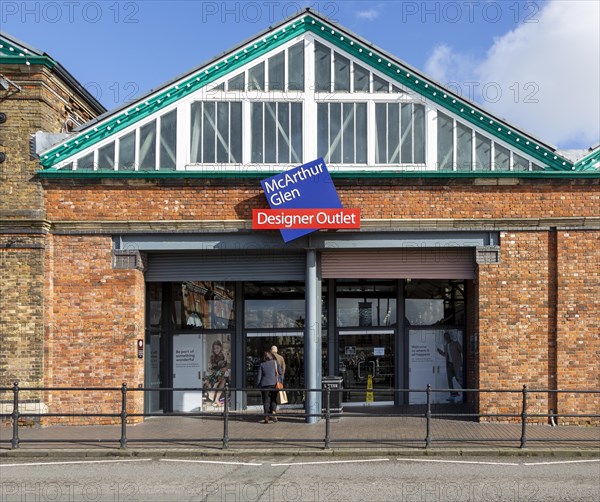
point(196, 132)
point(106, 157)
point(501, 158)
point(216, 132)
point(235, 134)
point(148, 146)
point(464, 147)
point(237, 83)
point(406, 156)
point(276, 132)
point(296, 67)
point(256, 77)
point(127, 152)
point(361, 79)
point(168, 140)
point(445, 144)
point(520, 163)
point(296, 131)
point(341, 67)
point(322, 130)
point(277, 72)
point(399, 133)
point(270, 132)
point(335, 133)
point(322, 68)
point(381, 125)
point(360, 133)
point(393, 133)
point(348, 136)
point(419, 133)
point(209, 135)
point(380, 84)
point(483, 153)
point(283, 130)
point(256, 125)
point(344, 138)
point(222, 132)
point(86, 162)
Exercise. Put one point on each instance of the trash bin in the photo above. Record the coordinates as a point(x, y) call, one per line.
point(335, 384)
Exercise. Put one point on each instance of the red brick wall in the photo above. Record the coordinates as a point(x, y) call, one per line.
point(197, 200)
point(514, 323)
point(578, 354)
point(523, 334)
point(95, 316)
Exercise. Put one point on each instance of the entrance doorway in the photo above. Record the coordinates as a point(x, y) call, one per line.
point(366, 363)
point(366, 331)
point(274, 314)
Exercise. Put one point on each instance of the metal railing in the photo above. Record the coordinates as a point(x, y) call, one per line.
point(228, 415)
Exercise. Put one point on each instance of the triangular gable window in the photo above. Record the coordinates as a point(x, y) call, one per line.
point(361, 119)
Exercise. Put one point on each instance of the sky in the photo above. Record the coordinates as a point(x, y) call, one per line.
point(533, 63)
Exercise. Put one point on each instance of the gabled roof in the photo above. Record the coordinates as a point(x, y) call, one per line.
point(13, 51)
point(590, 162)
point(309, 22)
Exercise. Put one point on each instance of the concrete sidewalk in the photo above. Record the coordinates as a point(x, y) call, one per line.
point(359, 432)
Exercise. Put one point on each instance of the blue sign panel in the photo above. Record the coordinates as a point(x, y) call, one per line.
point(305, 187)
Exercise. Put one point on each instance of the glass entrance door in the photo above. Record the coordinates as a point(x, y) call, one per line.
point(366, 363)
point(290, 345)
point(366, 328)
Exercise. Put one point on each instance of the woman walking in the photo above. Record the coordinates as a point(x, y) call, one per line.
point(268, 373)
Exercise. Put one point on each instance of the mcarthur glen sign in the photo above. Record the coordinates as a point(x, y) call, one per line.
point(303, 200)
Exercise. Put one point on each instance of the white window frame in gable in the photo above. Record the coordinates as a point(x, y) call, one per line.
point(246, 97)
point(476, 130)
point(74, 159)
point(371, 98)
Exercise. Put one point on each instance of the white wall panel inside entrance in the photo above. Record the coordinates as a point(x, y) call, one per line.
point(166, 267)
point(426, 263)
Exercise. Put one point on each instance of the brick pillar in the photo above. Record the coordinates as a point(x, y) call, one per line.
point(578, 322)
point(513, 323)
point(97, 318)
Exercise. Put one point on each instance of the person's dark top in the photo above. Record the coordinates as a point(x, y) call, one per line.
point(266, 374)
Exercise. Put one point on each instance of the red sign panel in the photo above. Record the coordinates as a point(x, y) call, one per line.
point(278, 219)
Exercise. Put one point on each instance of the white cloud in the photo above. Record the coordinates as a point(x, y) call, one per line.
point(543, 77)
point(444, 65)
point(369, 15)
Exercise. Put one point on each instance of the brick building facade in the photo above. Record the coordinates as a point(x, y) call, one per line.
point(469, 227)
point(36, 94)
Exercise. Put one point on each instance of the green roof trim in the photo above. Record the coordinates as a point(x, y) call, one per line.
point(339, 38)
point(59, 173)
point(591, 162)
point(13, 54)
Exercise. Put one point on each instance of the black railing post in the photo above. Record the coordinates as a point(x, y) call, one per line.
point(123, 440)
point(327, 417)
point(428, 418)
point(15, 417)
point(226, 416)
point(524, 418)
